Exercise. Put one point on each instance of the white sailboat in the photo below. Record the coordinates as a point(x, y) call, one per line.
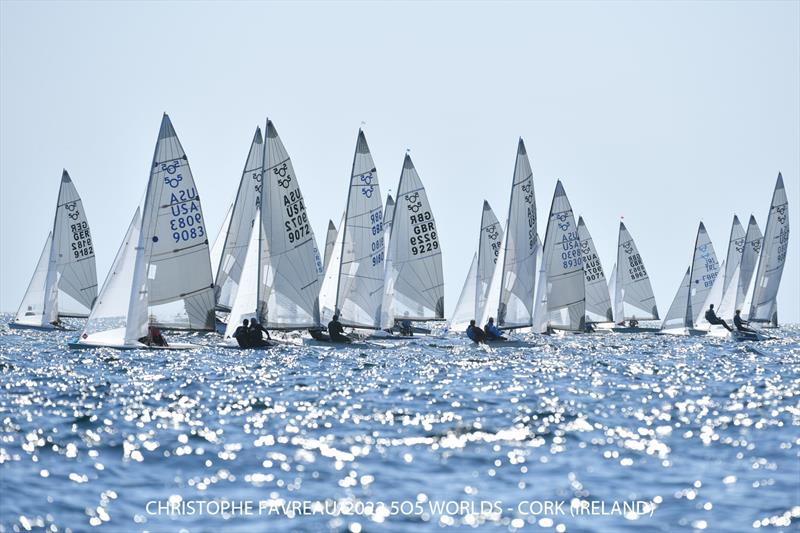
point(727, 272)
point(64, 283)
point(633, 295)
point(763, 307)
point(330, 240)
point(162, 272)
point(598, 301)
point(414, 281)
point(702, 274)
point(561, 295)
point(242, 220)
point(353, 283)
point(512, 289)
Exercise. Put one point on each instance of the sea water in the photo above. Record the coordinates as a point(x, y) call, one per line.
point(596, 432)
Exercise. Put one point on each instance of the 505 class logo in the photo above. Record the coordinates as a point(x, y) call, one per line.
point(72, 211)
point(367, 189)
point(414, 204)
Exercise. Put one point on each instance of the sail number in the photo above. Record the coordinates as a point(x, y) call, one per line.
point(187, 220)
point(571, 254)
point(296, 224)
point(81, 240)
point(376, 219)
point(592, 268)
point(636, 267)
point(424, 240)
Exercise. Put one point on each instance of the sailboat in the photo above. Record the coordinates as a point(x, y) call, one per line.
point(281, 267)
point(561, 293)
point(763, 306)
point(64, 283)
point(728, 270)
point(161, 275)
point(413, 278)
point(474, 295)
point(242, 220)
point(598, 301)
point(632, 292)
point(513, 284)
point(353, 283)
point(694, 290)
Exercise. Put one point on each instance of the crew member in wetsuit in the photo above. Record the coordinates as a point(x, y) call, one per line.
point(242, 335)
point(336, 330)
point(153, 337)
point(492, 333)
point(633, 322)
point(254, 333)
point(712, 318)
point(740, 323)
point(475, 333)
point(405, 328)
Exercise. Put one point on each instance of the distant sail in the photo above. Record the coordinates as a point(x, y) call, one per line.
point(465, 307)
point(219, 242)
point(330, 239)
point(598, 302)
point(174, 239)
point(633, 294)
point(359, 288)
point(490, 246)
point(676, 315)
point(772, 258)
point(246, 301)
point(388, 215)
point(734, 255)
point(753, 241)
point(414, 281)
point(290, 265)
point(243, 216)
point(563, 302)
point(38, 307)
point(705, 269)
point(723, 293)
point(512, 293)
point(612, 284)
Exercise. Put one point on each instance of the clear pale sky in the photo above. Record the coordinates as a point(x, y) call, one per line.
point(664, 113)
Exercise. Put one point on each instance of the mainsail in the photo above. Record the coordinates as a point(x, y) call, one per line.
point(38, 307)
point(246, 301)
point(290, 266)
point(676, 315)
point(330, 239)
point(598, 302)
point(772, 259)
point(512, 291)
point(633, 294)
point(747, 268)
point(465, 307)
point(490, 246)
point(242, 220)
point(357, 291)
point(413, 282)
point(174, 241)
point(561, 297)
point(705, 269)
point(734, 256)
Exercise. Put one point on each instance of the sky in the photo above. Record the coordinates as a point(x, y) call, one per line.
point(664, 113)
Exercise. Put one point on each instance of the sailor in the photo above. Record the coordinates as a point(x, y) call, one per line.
point(405, 326)
point(492, 333)
point(254, 334)
point(153, 337)
point(712, 318)
point(740, 323)
point(633, 322)
point(475, 333)
point(336, 330)
point(241, 334)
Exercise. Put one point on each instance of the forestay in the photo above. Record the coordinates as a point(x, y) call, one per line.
point(243, 217)
point(290, 265)
point(563, 304)
point(512, 292)
point(414, 282)
point(359, 287)
point(772, 259)
point(633, 294)
point(174, 241)
point(598, 301)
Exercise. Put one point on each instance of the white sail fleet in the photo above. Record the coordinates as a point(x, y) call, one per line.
point(380, 267)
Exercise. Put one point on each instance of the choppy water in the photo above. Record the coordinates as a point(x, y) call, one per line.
point(707, 431)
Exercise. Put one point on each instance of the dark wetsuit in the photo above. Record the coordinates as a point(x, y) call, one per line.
point(405, 328)
point(493, 334)
point(336, 331)
point(712, 318)
point(741, 325)
point(254, 333)
point(476, 334)
point(242, 336)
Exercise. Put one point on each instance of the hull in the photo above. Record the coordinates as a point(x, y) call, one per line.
point(634, 330)
point(174, 346)
point(49, 327)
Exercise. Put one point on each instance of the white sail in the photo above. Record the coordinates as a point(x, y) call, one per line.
point(772, 258)
point(174, 241)
point(675, 320)
point(512, 292)
point(246, 302)
point(727, 303)
point(734, 255)
point(562, 264)
point(330, 240)
point(598, 301)
point(633, 295)
point(490, 246)
point(290, 265)
point(388, 215)
point(38, 307)
point(705, 269)
point(359, 288)
point(330, 281)
point(612, 285)
point(465, 308)
point(243, 216)
point(750, 253)
point(108, 321)
point(414, 281)
point(74, 253)
point(219, 242)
